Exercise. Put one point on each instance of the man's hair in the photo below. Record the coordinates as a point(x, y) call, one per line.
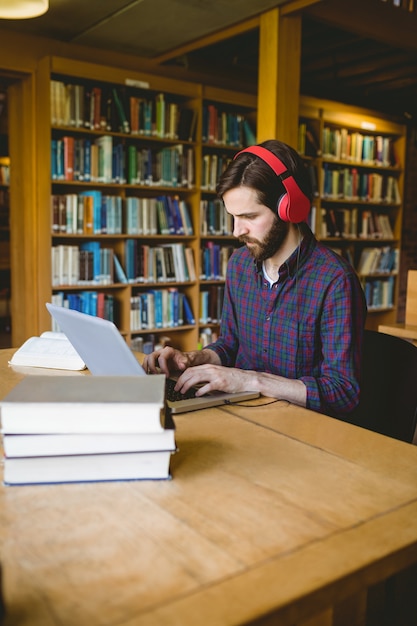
point(250, 171)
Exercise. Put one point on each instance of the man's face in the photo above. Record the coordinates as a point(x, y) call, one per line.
point(255, 224)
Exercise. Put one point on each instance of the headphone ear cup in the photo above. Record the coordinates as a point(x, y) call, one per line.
point(282, 207)
point(293, 206)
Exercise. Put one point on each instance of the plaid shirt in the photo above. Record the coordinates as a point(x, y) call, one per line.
point(308, 326)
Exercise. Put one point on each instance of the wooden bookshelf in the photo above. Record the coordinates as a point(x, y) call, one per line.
point(357, 159)
point(62, 185)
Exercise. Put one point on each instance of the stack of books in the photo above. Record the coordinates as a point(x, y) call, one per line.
point(76, 428)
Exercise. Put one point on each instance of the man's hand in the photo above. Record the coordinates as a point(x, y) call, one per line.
point(172, 362)
point(211, 377)
point(168, 360)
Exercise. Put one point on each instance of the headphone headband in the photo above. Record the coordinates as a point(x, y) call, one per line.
point(266, 155)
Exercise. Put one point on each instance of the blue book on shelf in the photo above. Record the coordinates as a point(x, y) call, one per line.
point(88, 302)
point(130, 259)
point(73, 300)
point(174, 208)
point(117, 209)
point(54, 156)
point(188, 314)
point(144, 310)
point(87, 160)
point(174, 305)
point(60, 168)
point(119, 271)
point(186, 217)
point(111, 214)
point(172, 224)
point(158, 307)
point(119, 163)
point(147, 117)
point(94, 247)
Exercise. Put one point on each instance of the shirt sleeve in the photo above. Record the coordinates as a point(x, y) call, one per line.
point(335, 390)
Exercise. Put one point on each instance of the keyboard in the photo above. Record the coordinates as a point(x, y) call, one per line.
point(173, 395)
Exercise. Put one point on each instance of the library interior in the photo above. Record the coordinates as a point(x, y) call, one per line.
point(117, 120)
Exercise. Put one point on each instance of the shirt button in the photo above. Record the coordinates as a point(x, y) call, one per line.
point(268, 318)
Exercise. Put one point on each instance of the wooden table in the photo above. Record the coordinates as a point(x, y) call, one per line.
point(275, 515)
point(405, 331)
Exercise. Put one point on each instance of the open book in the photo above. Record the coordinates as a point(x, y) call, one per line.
point(52, 350)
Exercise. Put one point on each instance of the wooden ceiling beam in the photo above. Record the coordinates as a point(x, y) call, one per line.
point(351, 67)
point(203, 42)
point(371, 18)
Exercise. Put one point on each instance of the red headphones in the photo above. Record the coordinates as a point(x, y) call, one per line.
point(293, 206)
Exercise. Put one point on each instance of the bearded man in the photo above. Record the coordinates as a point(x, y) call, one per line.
point(294, 311)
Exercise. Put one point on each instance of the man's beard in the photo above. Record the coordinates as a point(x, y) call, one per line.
point(271, 244)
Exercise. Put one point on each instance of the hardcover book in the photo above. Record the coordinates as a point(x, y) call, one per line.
point(87, 468)
point(85, 404)
point(86, 443)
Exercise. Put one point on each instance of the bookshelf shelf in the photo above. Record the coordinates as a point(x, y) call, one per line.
point(357, 159)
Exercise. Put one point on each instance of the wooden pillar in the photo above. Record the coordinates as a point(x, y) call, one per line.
point(23, 210)
point(279, 76)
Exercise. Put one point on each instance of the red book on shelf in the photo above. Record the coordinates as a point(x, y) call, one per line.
point(68, 157)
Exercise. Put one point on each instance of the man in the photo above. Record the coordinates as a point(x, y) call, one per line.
point(293, 312)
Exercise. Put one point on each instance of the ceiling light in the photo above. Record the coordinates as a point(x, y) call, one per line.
point(22, 9)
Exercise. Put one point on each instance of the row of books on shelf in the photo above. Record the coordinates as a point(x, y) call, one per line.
point(213, 166)
point(87, 212)
point(207, 336)
point(213, 260)
point(120, 109)
point(214, 219)
point(379, 293)
point(353, 184)
point(307, 141)
point(93, 264)
point(86, 264)
point(149, 342)
point(378, 260)
point(86, 428)
point(211, 304)
point(225, 127)
point(344, 145)
point(160, 308)
point(104, 160)
point(93, 212)
point(169, 262)
point(95, 303)
point(353, 223)
point(164, 215)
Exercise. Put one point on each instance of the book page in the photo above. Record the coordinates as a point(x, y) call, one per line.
point(52, 334)
point(49, 352)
